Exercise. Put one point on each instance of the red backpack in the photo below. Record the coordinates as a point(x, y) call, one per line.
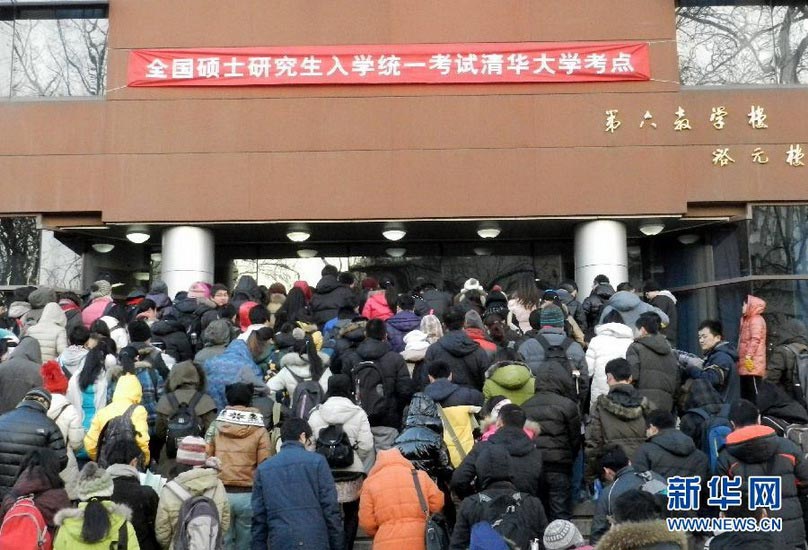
point(24, 528)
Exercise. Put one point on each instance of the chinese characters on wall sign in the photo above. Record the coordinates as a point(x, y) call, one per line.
point(721, 156)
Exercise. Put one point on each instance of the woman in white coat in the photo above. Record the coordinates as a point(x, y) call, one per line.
point(339, 409)
point(50, 331)
point(611, 341)
point(304, 362)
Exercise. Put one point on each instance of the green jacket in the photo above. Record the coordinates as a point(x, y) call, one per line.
point(510, 379)
point(70, 520)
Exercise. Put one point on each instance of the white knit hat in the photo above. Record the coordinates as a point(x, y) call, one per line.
point(561, 534)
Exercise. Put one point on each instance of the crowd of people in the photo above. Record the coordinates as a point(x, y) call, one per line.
point(255, 418)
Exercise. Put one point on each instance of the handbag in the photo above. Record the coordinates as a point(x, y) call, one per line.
point(436, 534)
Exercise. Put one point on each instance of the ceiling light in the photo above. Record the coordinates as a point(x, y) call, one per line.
point(156, 257)
point(396, 252)
point(103, 248)
point(489, 231)
point(394, 232)
point(688, 238)
point(141, 275)
point(651, 227)
point(482, 251)
point(298, 234)
point(306, 253)
point(137, 234)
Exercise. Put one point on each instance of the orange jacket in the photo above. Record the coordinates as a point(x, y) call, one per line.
point(389, 510)
point(753, 338)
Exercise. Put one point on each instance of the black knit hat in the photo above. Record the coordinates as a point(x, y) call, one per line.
point(139, 331)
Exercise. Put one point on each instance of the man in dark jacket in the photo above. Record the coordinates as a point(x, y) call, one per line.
point(568, 294)
point(782, 368)
point(595, 303)
point(526, 459)
point(527, 520)
point(720, 360)
point(19, 373)
point(654, 367)
point(330, 295)
point(755, 450)
point(668, 451)
point(557, 413)
point(466, 358)
point(346, 341)
point(665, 301)
point(439, 302)
point(402, 323)
point(294, 499)
point(638, 524)
point(446, 393)
point(169, 334)
point(140, 499)
point(24, 429)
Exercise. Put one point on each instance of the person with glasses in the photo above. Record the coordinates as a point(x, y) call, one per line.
point(720, 358)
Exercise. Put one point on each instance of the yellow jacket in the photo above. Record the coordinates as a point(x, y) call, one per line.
point(462, 419)
point(127, 392)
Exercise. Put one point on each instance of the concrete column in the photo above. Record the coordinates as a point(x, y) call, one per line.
point(187, 257)
point(600, 247)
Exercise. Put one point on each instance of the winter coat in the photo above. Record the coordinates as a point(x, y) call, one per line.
point(510, 379)
point(89, 401)
point(666, 302)
point(50, 331)
point(117, 331)
point(654, 370)
point(478, 335)
point(611, 341)
point(757, 451)
point(276, 300)
point(127, 392)
point(72, 358)
point(354, 421)
point(376, 307)
point(171, 333)
point(294, 502)
point(216, 336)
point(21, 431)
point(329, 296)
point(671, 453)
point(526, 463)
point(643, 535)
point(239, 439)
point(152, 388)
point(618, 417)
point(555, 410)
point(95, 310)
point(140, 499)
point(389, 509)
point(19, 374)
point(397, 382)
point(71, 520)
point(398, 326)
point(521, 313)
point(421, 440)
point(294, 364)
point(574, 308)
point(246, 290)
point(594, 304)
point(476, 508)
point(47, 498)
point(226, 369)
point(753, 339)
point(719, 368)
point(744, 540)
point(465, 357)
point(438, 301)
point(463, 421)
point(630, 307)
point(782, 365)
point(448, 394)
point(415, 346)
point(68, 419)
point(197, 481)
point(534, 354)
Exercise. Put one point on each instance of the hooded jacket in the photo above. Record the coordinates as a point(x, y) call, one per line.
point(611, 341)
point(19, 374)
point(753, 339)
point(594, 304)
point(38, 299)
point(329, 296)
point(47, 498)
point(671, 453)
point(376, 306)
point(197, 481)
point(246, 290)
point(127, 392)
point(398, 326)
point(534, 353)
point(152, 388)
point(293, 364)
point(50, 331)
point(354, 421)
point(140, 499)
point(782, 366)
point(555, 410)
point(665, 301)
point(618, 417)
point(215, 337)
point(510, 379)
point(448, 394)
point(68, 419)
point(720, 370)
point(174, 339)
point(389, 510)
point(72, 358)
point(757, 451)
point(643, 535)
point(226, 368)
point(239, 439)
point(654, 370)
point(630, 307)
point(465, 357)
point(421, 441)
point(70, 521)
point(349, 336)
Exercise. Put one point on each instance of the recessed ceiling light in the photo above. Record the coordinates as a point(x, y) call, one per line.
point(103, 248)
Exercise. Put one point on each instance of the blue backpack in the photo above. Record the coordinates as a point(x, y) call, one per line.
point(714, 431)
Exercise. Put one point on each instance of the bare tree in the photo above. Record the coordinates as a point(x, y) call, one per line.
point(19, 251)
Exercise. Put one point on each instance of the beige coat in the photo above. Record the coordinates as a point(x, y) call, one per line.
point(68, 419)
point(50, 332)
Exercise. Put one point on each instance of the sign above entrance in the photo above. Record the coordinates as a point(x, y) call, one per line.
point(483, 63)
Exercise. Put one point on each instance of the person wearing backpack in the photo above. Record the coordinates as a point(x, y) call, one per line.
point(100, 304)
point(215, 338)
point(466, 358)
point(638, 524)
point(98, 523)
point(240, 441)
point(499, 512)
point(124, 457)
point(755, 450)
point(239, 356)
point(300, 368)
point(593, 304)
point(193, 501)
point(131, 422)
point(342, 434)
point(185, 409)
point(654, 367)
point(788, 361)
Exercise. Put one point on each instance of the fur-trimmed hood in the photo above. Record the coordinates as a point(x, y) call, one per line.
point(69, 513)
point(643, 535)
point(625, 402)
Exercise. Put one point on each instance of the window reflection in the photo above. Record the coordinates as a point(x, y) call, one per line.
point(778, 240)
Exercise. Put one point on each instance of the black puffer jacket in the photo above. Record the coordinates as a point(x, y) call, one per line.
point(790, 340)
point(21, 431)
point(142, 500)
point(329, 296)
point(671, 453)
point(757, 451)
point(654, 370)
point(526, 463)
point(558, 416)
point(421, 442)
point(348, 338)
point(449, 394)
point(171, 334)
point(466, 358)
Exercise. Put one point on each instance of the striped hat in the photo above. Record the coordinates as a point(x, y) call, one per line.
point(191, 451)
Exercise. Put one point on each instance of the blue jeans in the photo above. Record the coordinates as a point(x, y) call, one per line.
point(238, 537)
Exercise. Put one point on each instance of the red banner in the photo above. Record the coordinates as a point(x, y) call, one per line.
point(391, 64)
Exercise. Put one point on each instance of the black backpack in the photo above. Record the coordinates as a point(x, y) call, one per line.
point(501, 522)
point(333, 443)
point(120, 428)
point(556, 353)
point(183, 422)
point(307, 396)
point(369, 390)
point(800, 374)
